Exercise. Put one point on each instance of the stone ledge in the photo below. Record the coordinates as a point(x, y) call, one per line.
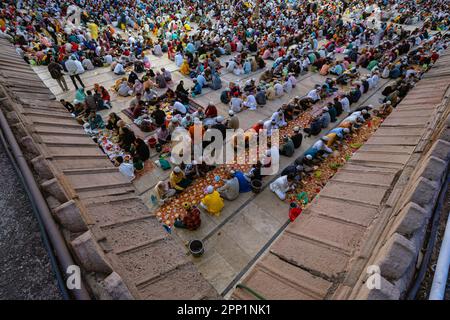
point(441, 150)
point(387, 291)
point(116, 288)
point(90, 254)
point(411, 218)
point(69, 216)
point(424, 193)
point(395, 257)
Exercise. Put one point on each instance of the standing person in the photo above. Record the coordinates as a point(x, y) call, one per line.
point(56, 70)
point(74, 68)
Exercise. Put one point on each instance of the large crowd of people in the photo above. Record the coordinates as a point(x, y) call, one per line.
point(352, 44)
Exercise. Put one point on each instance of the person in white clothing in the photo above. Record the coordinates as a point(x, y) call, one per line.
point(127, 169)
point(179, 108)
point(269, 125)
point(236, 104)
point(279, 91)
point(314, 95)
point(281, 186)
point(345, 104)
point(74, 68)
point(250, 102)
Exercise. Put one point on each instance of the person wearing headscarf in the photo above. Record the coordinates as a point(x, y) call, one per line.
point(212, 201)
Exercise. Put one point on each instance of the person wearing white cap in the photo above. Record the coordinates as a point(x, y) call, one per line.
point(287, 148)
point(325, 118)
point(340, 132)
point(295, 170)
point(270, 125)
point(212, 201)
point(319, 148)
point(178, 180)
point(250, 102)
point(281, 186)
point(233, 122)
point(230, 190)
point(297, 137)
point(278, 116)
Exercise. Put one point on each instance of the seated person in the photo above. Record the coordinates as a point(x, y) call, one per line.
point(158, 116)
point(191, 220)
point(212, 201)
point(230, 190)
point(127, 169)
point(163, 134)
point(138, 110)
point(160, 80)
point(244, 182)
point(287, 148)
point(282, 186)
point(297, 138)
point(196, 89)
point(314, 128)
point(95, 121)
point(163, 191)
point(178, 180)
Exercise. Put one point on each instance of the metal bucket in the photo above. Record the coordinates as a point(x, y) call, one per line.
point(256, 185)
point(196, 248)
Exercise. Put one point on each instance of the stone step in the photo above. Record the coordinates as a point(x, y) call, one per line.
point(365, 194)
point(394, 140)
point(350, 212)
point(376, 156)
point(276, 279)
point(67, 140)
point(329, 231)
point(310, 255)
point(76, 151)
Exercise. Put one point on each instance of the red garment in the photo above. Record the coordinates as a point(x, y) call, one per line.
point(192, 219)
point(105, 95)
point(211, 112)
point(294, 213)
point(257, 127)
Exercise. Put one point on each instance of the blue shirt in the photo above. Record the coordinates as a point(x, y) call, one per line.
point(339, 132)
point(244, 185)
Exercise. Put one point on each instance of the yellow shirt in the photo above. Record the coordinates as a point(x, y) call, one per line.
point(184, 69)
point(175, 179)
point(213, 202)
point(332, 139)
point(93, 28)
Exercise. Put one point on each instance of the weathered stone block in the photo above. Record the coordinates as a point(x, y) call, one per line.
point(40, 165)
point(441, 150)
point(387, 291)
point(90, 254)
point(70, 217)
point(411, 218)
point(434, 169)
point(395, 256)
point(54, 188)
point(29, 147)
point(424, 193)
point(116, 288)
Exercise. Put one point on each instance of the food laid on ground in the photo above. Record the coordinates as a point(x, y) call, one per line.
point(312, 184)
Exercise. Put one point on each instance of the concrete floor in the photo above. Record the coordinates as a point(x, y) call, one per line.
point(246, 225)
point(25, 270)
